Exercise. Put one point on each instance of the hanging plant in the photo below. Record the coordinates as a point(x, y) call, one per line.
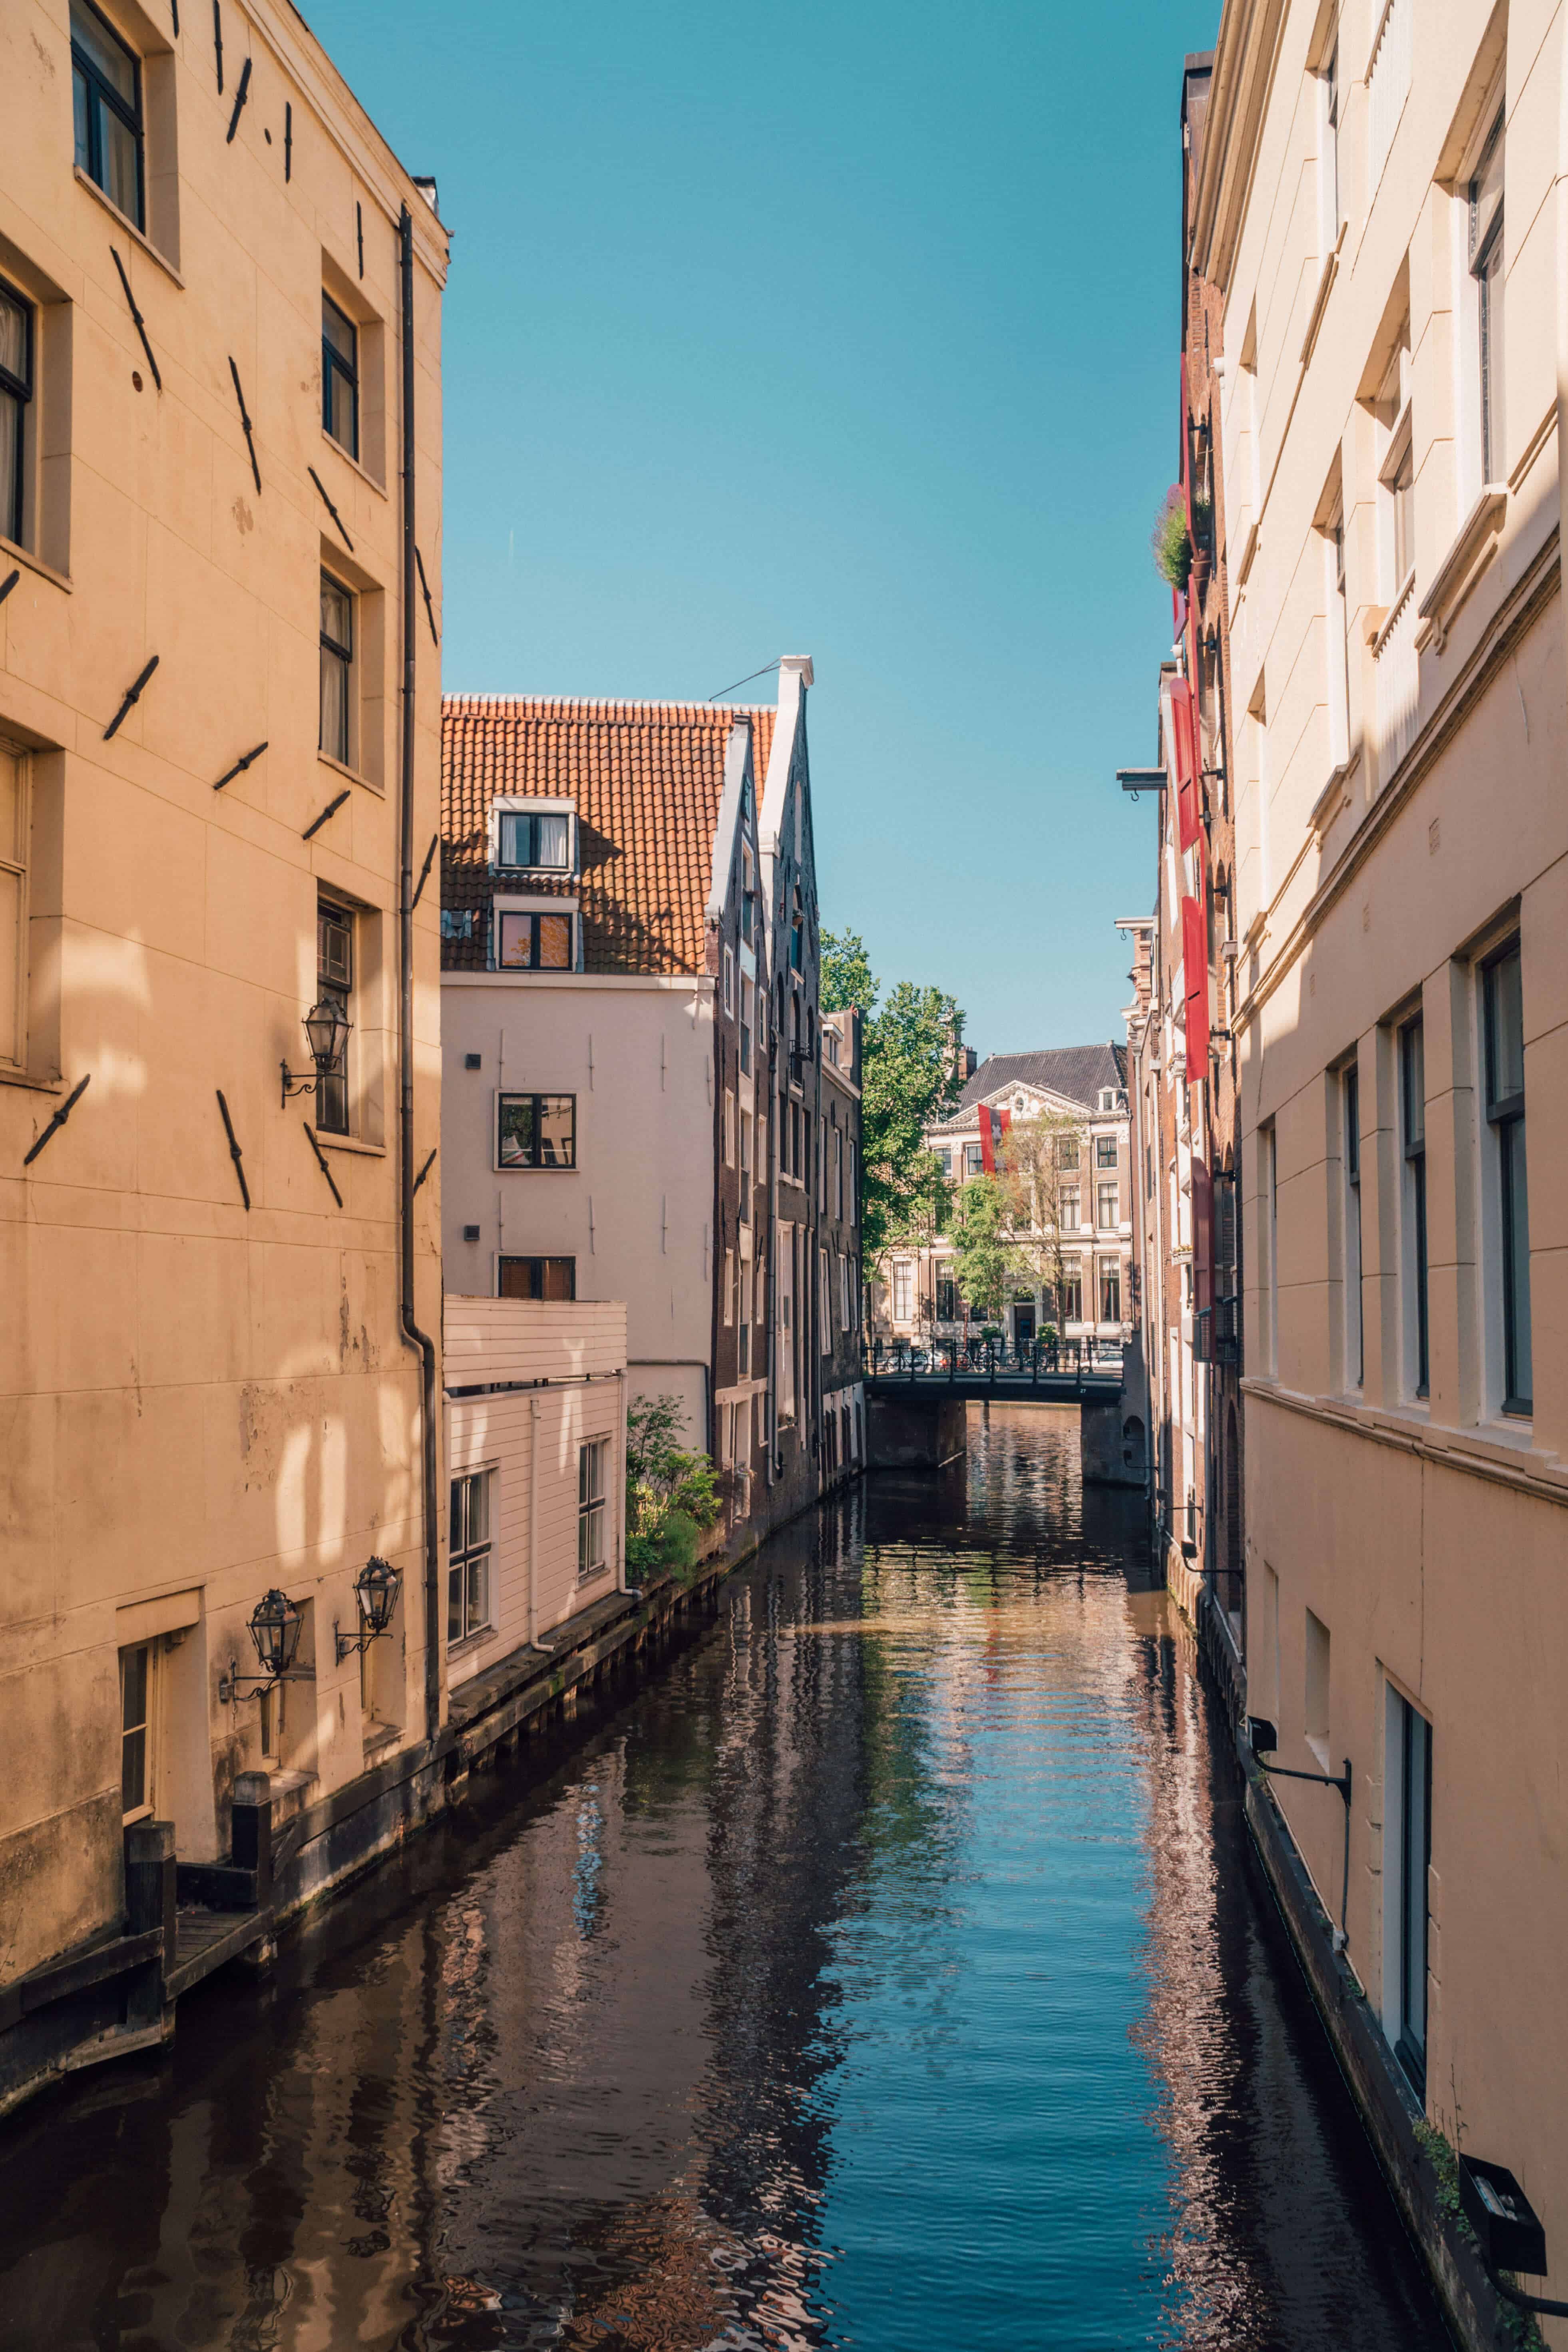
point(1172, 548)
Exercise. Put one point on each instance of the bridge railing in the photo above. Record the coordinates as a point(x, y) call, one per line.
point(955, 1360)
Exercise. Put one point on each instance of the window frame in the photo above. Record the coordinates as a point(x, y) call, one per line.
point(343, 653)
point(1408, 1949)
point(133, 117)
point(1484, 257)
point(537, 1166)
point(1411, 1049)
point(1111, 1192)
point(593, 1507)
point(146, 1728)
point(1354, 1316)
point(335, 366)
point(1105, 1151)
point(1109, 1272)
point(21, 390)
point(533, 917)
point(538, 1275)
point(533, 864)
point(1505, 1119)
point(468, 1553)
point(332, 1095)
point(14, 861)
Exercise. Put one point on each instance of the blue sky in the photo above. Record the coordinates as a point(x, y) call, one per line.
point(844, 331)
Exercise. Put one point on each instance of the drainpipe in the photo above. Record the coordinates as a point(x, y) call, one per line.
point(413, 1335)
point(533, 1523)
point(774, 1098)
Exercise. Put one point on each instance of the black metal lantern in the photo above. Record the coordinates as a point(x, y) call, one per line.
point(275, 1626)
point(275, 1623)
point(376, 1588)
point(326, 1027)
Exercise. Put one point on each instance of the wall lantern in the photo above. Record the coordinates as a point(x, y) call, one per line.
point(275, 1623)
point(1264, 1739)
point(376, 1588)
point(326, 1027)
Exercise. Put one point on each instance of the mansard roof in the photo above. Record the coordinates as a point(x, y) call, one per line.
point(646, 779)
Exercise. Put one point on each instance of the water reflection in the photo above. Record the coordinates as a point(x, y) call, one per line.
point(891, 1973)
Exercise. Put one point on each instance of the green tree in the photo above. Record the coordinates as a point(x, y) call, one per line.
point(986, 1259)
point(672, 1493)
point(908, 1078)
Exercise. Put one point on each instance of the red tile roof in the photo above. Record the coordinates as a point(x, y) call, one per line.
point(646, 779)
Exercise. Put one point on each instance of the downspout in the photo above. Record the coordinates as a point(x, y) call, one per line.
point(533, 1522)
point(413, 1335)
point(775, 1036)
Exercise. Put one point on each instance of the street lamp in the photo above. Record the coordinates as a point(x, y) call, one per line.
point(377, 1589)
point(326, 1027)
point(275, 1623)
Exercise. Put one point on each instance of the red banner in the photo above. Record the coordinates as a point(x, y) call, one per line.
point(1196, 987)
point(994, 1126)
point(1185, 725)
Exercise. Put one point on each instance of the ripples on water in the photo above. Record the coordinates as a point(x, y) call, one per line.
point(890, 1973)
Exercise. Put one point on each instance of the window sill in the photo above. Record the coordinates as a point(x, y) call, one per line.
point(379, 1737)
point(498, 1170)
point(472, 1641)
point(9, 552)
point(127, 224)
point(354, 464)
point(330, 1142)
point(31, 1079)
point(354, 775)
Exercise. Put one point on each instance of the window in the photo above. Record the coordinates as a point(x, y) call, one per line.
point(334, 985)
point(748, 898)
point(972, 1163)
point(538, 1277)
point(1105, 1151)
point(536, 841)
point(854, 1183)
point(1109, 1290)
point(1268, 1223)
point(796, 943)
point(340, 376)
point(337, 668)
point(729, 1126)
point(944, 1162)
point(903, 1290)
point(1486, 268)
point(535, 941)
point(838, 1174)
point(468, 1558)
point(946, 1299)
point(1413, 1132)
point(1067, 1151)
point(729, 981)
point(1328, 164)
point(1338, 643)
point(1316, 1721)
point(1402, 496)
point(13, 906)
point(536, 1131)
point(1072, 1207)
point(1408, 1815)
point(1349, 1114)
point(1109, 1206)
point(593, 1468)
point(845, 1298)
point(745, 1167)
point(748, 1015)
point(729, 1291)
point(16, 392)
point(1504, 1006)
point(106, 86)
point(136, 1681)
point(1072, 1291)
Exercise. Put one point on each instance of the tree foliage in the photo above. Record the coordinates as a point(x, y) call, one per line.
point(988, 1261)
point(672, 1493)
point(1035, 1180)
point(909, 1078)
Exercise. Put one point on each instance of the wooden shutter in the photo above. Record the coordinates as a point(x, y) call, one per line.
point(1196, 984)
point(1202, 1237)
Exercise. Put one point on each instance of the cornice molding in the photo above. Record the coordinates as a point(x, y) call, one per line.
point(1245, 54)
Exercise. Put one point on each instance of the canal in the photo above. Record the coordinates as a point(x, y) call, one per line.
point(890, 1971)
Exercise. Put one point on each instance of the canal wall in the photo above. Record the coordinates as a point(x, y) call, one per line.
point(1412, 2156)
point(119, 1995)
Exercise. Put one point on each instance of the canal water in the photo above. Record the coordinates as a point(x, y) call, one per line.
point(890, 1971)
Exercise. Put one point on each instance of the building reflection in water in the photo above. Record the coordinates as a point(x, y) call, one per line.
point(891, 1972)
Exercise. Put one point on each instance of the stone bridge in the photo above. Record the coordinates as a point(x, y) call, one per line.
point(916, 1406)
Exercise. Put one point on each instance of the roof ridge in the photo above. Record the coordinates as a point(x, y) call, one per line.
point(591, 706)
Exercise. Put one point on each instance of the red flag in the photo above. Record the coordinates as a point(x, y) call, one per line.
point(1184, 727)
point(987, 1148)
point(1004, 1121)
point(1196, 987)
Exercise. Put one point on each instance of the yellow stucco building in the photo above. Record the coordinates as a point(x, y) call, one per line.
point(220, 498)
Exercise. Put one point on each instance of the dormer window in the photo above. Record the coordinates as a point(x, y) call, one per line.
point(539, 840)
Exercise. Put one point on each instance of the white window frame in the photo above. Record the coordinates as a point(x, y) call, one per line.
point(474, 1629)
point(507, 805)
point(593, 1507)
